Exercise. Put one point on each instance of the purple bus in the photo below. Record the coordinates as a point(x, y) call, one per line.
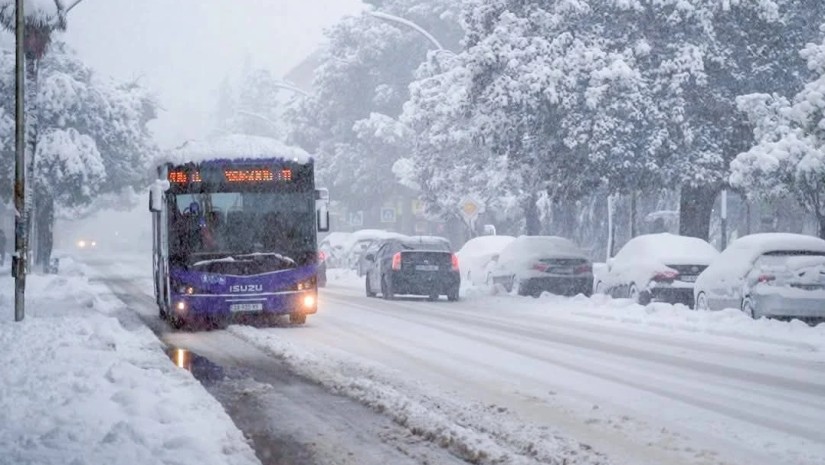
point(236, 237)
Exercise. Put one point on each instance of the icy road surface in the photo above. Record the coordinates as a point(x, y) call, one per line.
point(505, 379)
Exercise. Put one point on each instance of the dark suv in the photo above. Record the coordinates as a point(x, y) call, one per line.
point(413, 266)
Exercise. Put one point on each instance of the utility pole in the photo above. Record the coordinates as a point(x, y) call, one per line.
point(20, 224)
point(724, 243)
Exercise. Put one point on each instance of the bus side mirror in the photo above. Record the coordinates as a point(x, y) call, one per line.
point(322, 217)
point(155, 199)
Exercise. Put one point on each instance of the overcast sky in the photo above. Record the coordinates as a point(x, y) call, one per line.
point(183, 49)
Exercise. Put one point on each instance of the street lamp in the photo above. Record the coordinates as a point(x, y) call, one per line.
point(287, 86)
point(409, 24)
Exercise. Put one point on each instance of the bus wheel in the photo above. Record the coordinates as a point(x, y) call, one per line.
point(176, 322)
point(297, 318)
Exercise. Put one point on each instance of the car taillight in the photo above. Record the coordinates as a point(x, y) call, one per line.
point(455, 262)
point(766, 278)
point(321, 256)
point(396, 261)
point(540, 266)
point(666, 276)
point(586, 268)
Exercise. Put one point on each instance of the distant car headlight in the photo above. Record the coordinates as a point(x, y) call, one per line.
point(81, 244)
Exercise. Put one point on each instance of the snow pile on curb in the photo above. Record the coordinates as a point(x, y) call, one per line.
point(78, 387)
point(475, 433)
point(671, 319)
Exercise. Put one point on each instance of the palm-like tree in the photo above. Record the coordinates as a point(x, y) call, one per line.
point(42, 18)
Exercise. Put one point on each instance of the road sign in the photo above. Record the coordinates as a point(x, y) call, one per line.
point(356, 218)
point(470, 208)
point(417, 207)
point(388, 215)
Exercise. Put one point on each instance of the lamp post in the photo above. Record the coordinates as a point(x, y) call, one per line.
point(18, 267)
point(409, 24)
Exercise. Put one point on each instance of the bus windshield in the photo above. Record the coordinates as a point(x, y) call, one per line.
point(223, 225)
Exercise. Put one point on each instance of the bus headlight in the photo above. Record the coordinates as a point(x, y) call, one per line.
point(188, 290)
point(180, 307)
point(309, 301)
point(306, 285)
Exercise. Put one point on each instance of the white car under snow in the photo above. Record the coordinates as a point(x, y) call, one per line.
point(531, 265)
point(770, 274)
point(657, 267)
point(477, 256)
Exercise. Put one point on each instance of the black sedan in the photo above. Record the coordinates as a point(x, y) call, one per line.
point(413, 266)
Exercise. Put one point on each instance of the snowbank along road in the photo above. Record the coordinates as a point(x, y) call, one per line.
point(505, 379)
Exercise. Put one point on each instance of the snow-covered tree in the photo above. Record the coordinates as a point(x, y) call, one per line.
point(789, 158)
point(350, 122)
point(627, 95)
point(92, 138)
point(257, 108)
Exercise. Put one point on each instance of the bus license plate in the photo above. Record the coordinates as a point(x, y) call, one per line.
point(246, 307)
point(426, 267)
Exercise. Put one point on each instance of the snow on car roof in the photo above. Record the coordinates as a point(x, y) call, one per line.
point(336, 238)
point(671, 248)
point(738, 258)
point(762, 243)
point(486, 244)
point(527, 246)
point(370, 234)
point(234, 146)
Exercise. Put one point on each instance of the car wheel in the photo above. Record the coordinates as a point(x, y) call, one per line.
point(452, 296)
point(386, 289)
point(702, 302)
point(748, 308)
point(297, 318)
point(176, 322)
point(601, 288)
point(368, 288)
point(640, 297)
point(520, 288)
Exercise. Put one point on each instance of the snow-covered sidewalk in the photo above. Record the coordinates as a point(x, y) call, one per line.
point(81, 386)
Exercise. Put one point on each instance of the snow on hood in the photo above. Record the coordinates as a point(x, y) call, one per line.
point(736, 261)
point(236, 146)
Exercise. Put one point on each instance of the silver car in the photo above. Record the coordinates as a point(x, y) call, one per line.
point(770, 275)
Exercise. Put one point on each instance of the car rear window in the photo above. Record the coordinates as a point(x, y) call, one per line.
point(440, 246)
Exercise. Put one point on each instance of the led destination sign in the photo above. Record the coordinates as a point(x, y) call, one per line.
point(255, 175)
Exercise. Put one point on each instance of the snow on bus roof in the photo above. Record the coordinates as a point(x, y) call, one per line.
point(234, 146)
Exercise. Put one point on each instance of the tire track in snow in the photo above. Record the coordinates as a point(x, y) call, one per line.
point(815, 433)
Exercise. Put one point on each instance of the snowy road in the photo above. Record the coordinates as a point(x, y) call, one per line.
point(289, 419)
point(507, 377)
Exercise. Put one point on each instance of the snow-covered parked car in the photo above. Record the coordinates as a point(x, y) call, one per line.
point(477, 256)
point(659, 267)
point(531, 265)
point(360, 241)
point(769, 274)
point(332, 247)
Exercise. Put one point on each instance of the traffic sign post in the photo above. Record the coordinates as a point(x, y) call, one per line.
point(388, 215)
point(470, 207)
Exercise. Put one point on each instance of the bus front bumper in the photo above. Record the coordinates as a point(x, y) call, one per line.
point(211, 305)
